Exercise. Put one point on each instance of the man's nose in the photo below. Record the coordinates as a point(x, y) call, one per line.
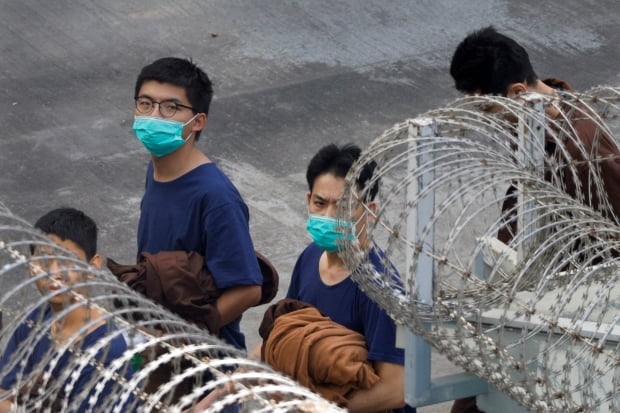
point(156, 112)
point(332, 210)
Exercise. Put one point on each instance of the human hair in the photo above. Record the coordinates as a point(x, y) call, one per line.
point(182, 73)
point(70, 224)
point(487, 62)
point(338, 161)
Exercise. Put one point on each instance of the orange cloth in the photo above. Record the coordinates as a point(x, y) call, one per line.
point(322, 355)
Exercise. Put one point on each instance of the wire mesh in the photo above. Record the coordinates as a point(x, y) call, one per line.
point(535, 314)
point(129, 355)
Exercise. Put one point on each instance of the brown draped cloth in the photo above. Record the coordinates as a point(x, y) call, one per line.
point(317, 352)
point(180, 281)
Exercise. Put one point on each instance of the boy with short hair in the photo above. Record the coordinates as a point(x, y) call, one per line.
point(77, 328)
point(189, 204)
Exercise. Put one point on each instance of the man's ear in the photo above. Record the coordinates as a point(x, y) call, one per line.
point(199, 123)
point(515, 89)
point(96, 261)
point(372, 207)
point(308, 197)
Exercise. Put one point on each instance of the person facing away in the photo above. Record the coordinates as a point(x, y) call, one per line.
point(321, 279)
point(188, 203)
point(489, 63)
point(80, 327)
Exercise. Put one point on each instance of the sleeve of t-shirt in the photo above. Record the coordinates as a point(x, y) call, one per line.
point(230, 253)
point(8, 379)
point(380, 333)
point(18, 338)
point(293, 288)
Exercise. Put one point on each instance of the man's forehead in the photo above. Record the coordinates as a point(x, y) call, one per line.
point(162, 91)
point(327, 197)
point(51, 249)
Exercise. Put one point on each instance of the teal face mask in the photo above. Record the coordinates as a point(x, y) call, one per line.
point(160, 136)
point(327, 232)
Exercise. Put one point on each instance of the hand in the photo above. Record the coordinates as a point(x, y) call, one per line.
point(212, 397)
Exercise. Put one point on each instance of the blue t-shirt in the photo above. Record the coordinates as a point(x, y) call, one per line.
point(202, 211)
point(40, 348)
point(345, 304)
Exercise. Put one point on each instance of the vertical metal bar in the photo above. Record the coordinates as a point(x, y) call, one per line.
point(418, 367)
point(532, 154)
point(421, 388)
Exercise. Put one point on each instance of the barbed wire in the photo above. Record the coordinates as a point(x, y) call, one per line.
point(535, 314)
point(73, 372)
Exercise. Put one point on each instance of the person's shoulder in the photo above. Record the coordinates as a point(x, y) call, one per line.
point(210, 179)
point(311, 251)
point(106, 329)
point(37, 315)
point(116, 344)
point(308, 259)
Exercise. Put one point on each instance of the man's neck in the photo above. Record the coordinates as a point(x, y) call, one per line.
point(178, 163)
point(69, 324)
point(332, 269)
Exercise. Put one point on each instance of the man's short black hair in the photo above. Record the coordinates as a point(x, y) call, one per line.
point(338, 161)
point(487, 62)
point(71, 224)
point(182, 73)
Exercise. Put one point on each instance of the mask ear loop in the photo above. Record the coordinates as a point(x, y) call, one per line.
point(356, 223)
point(368, 213)
point(187, 123)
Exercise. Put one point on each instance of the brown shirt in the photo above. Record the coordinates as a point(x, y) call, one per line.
point(588, 156)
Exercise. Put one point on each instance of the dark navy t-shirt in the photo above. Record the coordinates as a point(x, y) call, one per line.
point(35, 352)
point(347, 305)
point(202, 211)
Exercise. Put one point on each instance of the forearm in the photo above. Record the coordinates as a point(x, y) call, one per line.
point(379, 398)
point(5, 405)
point(388, 393)
point(234, 301)
point(256, 352)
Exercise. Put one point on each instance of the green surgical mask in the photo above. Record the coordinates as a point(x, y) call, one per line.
point(328, 232)
point(160, 136)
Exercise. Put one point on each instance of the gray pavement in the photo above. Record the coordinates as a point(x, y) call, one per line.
point(289, 77)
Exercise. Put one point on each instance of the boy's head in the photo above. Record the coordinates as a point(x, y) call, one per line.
point(326, 180)
point(487, 62)
point(337, 161)
point(69, 224)
point(182, 73)
point(77, 233)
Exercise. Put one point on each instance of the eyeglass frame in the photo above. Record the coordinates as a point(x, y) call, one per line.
point(153, 101)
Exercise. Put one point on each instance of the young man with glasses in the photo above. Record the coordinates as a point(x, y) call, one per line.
point(189, 204)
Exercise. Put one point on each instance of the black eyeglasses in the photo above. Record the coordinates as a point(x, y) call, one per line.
point(167, 108)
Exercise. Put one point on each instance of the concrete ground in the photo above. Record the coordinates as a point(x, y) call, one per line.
point(289, 77)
